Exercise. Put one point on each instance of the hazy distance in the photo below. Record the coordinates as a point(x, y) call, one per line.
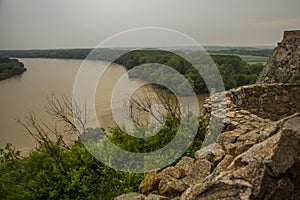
point(45, 24)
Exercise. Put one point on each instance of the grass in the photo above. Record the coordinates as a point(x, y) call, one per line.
point(254, 59)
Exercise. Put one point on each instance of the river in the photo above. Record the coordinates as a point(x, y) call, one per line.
point(28, 93)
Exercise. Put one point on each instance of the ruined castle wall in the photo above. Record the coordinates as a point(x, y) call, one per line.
point(272, 101)
point(291, 34)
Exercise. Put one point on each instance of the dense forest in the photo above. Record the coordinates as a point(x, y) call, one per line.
point(106, 53)
point(10, 67)
point(98, 54)
point(244, 51)
point(234, 71)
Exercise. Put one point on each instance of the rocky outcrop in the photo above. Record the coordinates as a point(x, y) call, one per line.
point(257, 154)
point(253, 158)
point(284, 64)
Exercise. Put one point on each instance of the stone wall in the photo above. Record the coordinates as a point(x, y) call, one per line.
point(291, 34)
point(272, 101)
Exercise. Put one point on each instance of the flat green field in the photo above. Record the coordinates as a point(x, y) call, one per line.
point(254, 59)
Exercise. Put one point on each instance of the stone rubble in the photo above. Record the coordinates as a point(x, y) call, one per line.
point(253, 158)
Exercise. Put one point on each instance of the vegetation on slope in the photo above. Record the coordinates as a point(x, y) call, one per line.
point(57, 170)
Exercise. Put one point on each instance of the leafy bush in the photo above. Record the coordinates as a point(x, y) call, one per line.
point(57, 171)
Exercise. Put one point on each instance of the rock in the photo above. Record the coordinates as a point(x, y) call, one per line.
point(150, 182)
point(237, 148)
point(156, 197)
point(172, 171)
point(184, 165)
point(229, 137)
point(245, 112)
point(230, 114)
point(283, 65)
point(249, 168)
point(223, 164)
point(250, 136)
point(131, 196)
point(287, 152)
point(261, 172)
point(170, 186)
point(200, 169)
point(212, 153)
point(237, 189)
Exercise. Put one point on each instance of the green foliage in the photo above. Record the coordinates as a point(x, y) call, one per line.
point(234, 71)
point(57, 172)
point(140, 145)
point(98, 54)
point(266, 52)
point(162, 138)
point(10, 67)
point(254, 59)
point(295, 80)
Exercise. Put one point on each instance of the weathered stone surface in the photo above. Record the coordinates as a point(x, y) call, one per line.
point(265, 168)
point(237, 148)
point(156, 197)
point(284, 65)
point(212, 153)
point(150, 182)
point(230, 114)
point(229, 137)
point(170, 186)
point(131, 196)
point(198, 171)
point(172, 171)
point(269, 168)
point(184, 165)
point(218, 189)
point(222, 166)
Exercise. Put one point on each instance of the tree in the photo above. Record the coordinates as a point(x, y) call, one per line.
point(57, 169)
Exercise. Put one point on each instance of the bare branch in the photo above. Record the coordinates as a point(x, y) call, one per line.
point(64, 114)
point(140, 105)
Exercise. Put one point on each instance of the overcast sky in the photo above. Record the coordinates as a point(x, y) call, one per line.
point(31, 24)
